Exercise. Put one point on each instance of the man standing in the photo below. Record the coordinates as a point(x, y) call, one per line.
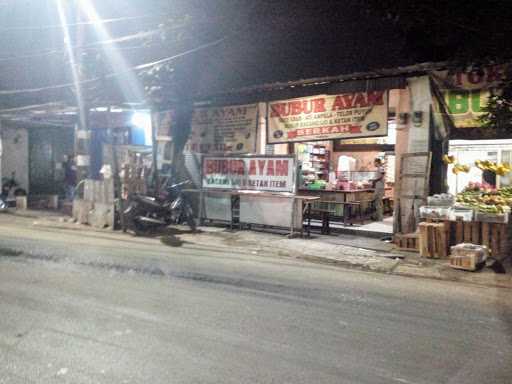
point(378, 185)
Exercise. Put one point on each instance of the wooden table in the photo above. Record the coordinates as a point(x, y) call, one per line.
point(335, 201)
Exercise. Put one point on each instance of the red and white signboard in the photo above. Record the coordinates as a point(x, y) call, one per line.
point(253, 173)
point(326, 117)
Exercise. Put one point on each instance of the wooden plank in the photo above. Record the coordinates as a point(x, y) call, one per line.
point(503, 240)
point(494, 238)
point(431, 240)
point(423, 240)
point(442, 240)
point(459, 232)
point(467, 232)
point(485, 234)
point(407, 242)
point(475, 232)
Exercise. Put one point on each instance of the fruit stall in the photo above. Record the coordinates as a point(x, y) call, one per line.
point(478, 216)
point(467, 227)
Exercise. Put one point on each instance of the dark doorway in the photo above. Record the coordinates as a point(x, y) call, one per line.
point(47, 147)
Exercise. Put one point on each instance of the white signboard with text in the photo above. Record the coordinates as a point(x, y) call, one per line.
point(253, 173)
point(326, 117)
point(230, 129)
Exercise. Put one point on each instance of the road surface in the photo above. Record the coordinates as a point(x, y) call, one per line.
point(88, 307)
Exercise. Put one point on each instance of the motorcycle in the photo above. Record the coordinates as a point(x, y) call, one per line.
point(146, 214)
point(10, 190)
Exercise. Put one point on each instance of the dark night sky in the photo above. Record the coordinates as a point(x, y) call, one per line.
point(268, 40)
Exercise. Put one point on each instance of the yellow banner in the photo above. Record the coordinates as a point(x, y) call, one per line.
point(466, 93)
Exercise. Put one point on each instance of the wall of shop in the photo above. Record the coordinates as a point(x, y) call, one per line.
point(467, 151)
point(15, 155)
point(364, 159)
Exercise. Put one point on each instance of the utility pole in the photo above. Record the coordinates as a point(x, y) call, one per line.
point(82, 131)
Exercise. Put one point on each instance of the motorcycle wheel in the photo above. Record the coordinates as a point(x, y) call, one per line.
point(140, 229)
point(130, 216)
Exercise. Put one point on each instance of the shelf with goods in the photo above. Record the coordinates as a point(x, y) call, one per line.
point(315, 162)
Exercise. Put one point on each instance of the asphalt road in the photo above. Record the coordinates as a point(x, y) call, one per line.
point(84, 307)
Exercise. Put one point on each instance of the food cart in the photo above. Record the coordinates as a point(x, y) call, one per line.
point(247, 190)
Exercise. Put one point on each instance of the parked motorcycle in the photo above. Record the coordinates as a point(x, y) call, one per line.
point(146, 214)
point(10, 190)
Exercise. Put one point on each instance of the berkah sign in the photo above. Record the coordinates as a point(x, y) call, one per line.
point(253, 173)
point(326, 117)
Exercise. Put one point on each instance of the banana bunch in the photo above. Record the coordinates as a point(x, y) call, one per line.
point(493, 200)
point(448, 159)
point(457, 168)
point(468, 198)
point(506, 192)
point(499, 169)
point(482, 165)
point(494, 209)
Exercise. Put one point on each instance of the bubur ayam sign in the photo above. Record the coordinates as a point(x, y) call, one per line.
point(253, 173)
point(230, 129)
point(326, 117)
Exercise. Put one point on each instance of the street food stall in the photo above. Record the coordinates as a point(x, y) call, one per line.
point(253, 190)
point(336, 139)
point(334, 135)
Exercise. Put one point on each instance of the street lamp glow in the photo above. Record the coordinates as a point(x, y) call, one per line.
point(142, 120)
point(130, 86)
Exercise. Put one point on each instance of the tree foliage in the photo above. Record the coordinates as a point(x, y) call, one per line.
point(498, 112)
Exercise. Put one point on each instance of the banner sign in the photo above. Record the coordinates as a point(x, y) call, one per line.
point(254, 173)
point(224, 129)
point(466, 92)
point(326, 117)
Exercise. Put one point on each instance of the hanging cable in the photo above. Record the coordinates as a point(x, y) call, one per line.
point(114, 74)
point(94, 45)
point(86, 23)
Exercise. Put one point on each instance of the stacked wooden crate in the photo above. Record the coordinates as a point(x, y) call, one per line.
point(434, 240)
point(134, 177)
point(493, 235)
point(437, 237)
point(468, 257)
point(407, 241)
